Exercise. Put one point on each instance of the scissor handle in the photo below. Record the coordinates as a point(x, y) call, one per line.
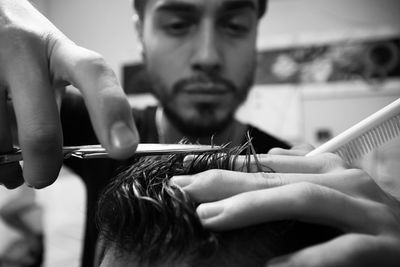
point(14, 156)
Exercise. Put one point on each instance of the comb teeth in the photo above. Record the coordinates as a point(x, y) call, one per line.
point(370, 140)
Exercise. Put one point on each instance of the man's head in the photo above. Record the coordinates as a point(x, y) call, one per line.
point(200, 56)
point(139, 6)
point(146, 221)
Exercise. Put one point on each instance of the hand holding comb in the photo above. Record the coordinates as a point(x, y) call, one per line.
point(366, 135)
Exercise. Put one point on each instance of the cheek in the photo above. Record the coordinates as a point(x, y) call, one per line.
point(241, 62)
point(166, 68)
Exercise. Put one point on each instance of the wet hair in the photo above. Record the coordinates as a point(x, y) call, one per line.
point(140, 5)
point(142, 214)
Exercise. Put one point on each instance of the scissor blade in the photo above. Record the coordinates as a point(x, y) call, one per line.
point(91, 152)
point(175, 148)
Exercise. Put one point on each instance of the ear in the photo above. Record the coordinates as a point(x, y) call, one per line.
point(138, 25)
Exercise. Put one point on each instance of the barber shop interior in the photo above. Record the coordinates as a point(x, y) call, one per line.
point(199, 133)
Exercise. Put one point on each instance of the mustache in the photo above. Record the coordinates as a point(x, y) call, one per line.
point(205, 83)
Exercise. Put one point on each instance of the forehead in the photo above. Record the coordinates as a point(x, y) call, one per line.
point(201, 5)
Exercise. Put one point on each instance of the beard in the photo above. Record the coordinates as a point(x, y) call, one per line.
point(207, 118)
point(204, 125)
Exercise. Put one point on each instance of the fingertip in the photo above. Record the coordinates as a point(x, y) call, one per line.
point(303, 147)
point(209, 211)
point(278, 151)
point(41, 181)
point(43, 171)
point(182, 180)
point(123, 140)
point(122, 136)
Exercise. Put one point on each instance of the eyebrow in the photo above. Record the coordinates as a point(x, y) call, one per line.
point(238, 5)
point(190, 8)
point(179, 7)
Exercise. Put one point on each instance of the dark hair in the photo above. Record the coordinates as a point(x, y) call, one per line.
point(140, 5)
point(143, 214)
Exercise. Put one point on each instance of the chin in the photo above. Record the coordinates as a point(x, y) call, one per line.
point(202, 127)
point(199, 121)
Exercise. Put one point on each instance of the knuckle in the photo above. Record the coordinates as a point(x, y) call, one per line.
point(270, 179)
point(309, 193)
point(92, 62)
point(203, 179)
point(212, 176)
point(332, 162)
point(360, 175)
point(364, 184)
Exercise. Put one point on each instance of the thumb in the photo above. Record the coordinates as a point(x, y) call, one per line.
point(108, 107)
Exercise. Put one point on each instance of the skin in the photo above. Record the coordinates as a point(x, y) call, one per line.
point(40, 62)
point(201, 58)
point(318, 189)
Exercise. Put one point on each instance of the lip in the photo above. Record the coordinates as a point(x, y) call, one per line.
point(206, 97)
point(206, 89)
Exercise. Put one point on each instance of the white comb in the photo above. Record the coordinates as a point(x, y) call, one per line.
point(366, 135)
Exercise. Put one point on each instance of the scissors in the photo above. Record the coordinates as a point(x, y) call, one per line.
point(97, 151)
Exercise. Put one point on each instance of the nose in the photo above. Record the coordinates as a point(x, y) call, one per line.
point(207, 50)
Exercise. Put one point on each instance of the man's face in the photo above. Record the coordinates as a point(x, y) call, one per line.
point(200, 55)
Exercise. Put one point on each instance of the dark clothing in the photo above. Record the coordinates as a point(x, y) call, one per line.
point(97, 172)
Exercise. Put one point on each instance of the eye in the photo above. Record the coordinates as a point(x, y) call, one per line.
point(236, 25)
point(236, 28)
point(177, 26)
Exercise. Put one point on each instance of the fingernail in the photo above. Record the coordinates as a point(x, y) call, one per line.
point(121, 135)
point(182, 180)
point(207, 211)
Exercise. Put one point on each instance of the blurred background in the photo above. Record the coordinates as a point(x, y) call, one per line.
point(326, 64)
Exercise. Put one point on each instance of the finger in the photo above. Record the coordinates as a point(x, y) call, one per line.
point(10, 174)
point(298, 150)
point(215, 185)
point(322, 163)
point(39, 127)
point(243, 163)
point(302, 201)
point(352, 250)
point(108, 107)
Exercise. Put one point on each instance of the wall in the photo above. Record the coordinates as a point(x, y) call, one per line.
point(294, 17)
point(105, 25)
